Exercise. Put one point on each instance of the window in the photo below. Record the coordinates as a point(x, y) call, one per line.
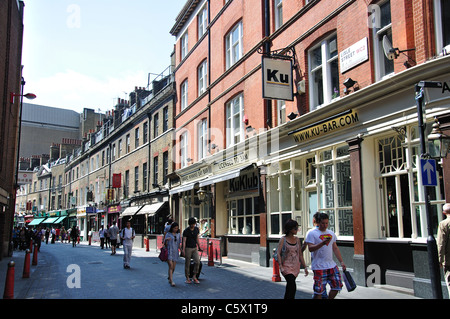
point(183, 149)
point(165, 166)
point(136, 178)
point(202, 130)
point(184, 45)
point(145, 129)
point(244, 216)
point(202, 73)
point(155, 170)
point(235, 125)
point(155, 125)
point(120, 149)
point(136, 138)
point(202, 22)
point(103, 158)
point(281, 111)
point(324, 72)
point(126, 184)
point(128, 146)
point(165, 118)
point(383, 27)
point(442, 24)
point(278, 5)
point(233, 45)
point(144, 177)
point(184, 95)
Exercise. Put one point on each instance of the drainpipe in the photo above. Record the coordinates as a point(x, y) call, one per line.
point(267, 52)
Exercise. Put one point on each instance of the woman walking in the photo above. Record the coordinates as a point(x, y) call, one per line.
point(172, 241)
point(291, 257)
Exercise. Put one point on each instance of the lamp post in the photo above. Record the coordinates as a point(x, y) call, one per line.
point(435, 274)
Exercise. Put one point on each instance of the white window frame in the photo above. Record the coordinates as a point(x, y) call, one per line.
point(437, 5)
point(235, 134)
point(202, 21)
point(278, 8)
point(184, 149)
point(202, 131)
point(202, 74)
point(324, 67)
point(184, 45)
point(281, 111)
point(233, 45)
point(184, 94)
point(380, 60)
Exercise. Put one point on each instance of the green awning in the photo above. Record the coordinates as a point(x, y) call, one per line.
point(60, 219)
point(36, 221)
point(50, 220)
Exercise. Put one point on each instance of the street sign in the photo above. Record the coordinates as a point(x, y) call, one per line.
point(429, 174)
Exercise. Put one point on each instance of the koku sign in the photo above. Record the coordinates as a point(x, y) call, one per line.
point(277, 79)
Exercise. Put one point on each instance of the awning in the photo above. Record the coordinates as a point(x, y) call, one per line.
point(60, 219)
point(50, 220)
point(36, 221)
point(151, 209)
point(183, 188)
point(129, 211)
point(225, 176)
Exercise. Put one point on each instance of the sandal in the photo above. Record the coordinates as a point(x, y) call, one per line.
point(196, 281)
point(188, 281)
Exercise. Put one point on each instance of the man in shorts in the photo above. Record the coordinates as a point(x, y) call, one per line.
point(322, 244)
point(113, 231)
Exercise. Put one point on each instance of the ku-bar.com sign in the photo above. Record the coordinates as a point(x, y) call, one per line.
point(277, 79)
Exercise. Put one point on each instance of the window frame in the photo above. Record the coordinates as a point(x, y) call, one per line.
point(231, 130)
point(230, 43)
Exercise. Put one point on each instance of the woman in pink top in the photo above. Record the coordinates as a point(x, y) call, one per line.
point(291, 257)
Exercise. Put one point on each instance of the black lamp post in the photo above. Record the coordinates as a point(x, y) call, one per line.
point(435, 274)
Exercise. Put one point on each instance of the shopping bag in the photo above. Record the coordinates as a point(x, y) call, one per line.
point(163, 255)
point(348, 280)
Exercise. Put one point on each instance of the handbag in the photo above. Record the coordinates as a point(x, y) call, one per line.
point(349, 282)
point(163, 255)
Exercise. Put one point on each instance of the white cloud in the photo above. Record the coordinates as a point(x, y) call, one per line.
point(75, 91)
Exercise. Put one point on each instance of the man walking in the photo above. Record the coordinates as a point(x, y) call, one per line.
point(127, 234)
point(113, 231)
point(322, 244)
point(190, 244)
point(443, 243)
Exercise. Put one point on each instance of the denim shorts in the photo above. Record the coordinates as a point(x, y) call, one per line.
point(323, 277)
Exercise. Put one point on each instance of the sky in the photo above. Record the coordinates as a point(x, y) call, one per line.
point(88, 53)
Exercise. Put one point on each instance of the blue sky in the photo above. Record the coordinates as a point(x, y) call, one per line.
point(87, 53)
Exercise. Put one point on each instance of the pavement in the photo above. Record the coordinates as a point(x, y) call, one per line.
point(87, 272)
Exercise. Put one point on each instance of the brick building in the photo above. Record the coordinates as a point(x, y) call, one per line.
point(11, 25)
point(347, 143)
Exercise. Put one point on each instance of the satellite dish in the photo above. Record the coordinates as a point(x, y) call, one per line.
point(389, 51)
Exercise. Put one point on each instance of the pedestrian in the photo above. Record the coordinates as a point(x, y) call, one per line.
point(127, 235)
point(292, 258)
point(167, 226)
point(101, 233)
point(443, 243)
point(322, 244)
point(53, 235)
point(205, 230)
point(190, 244)
point(172, 241)
point(38, 238)
point(113, 232)
point(74, 233)
point(47, 235)
point(106, 233)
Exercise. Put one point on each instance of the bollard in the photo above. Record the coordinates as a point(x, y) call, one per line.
point(26, 265)
point(31, 245)
point(9, 284)
point(35, 256)
point(210, 255)
point(90, 239)
point(147, 244)
point(276, 271)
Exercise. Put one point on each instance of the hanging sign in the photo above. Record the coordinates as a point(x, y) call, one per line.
point(277, 79)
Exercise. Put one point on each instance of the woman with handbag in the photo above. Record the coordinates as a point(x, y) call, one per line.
point(172, 242)
point(291, 257)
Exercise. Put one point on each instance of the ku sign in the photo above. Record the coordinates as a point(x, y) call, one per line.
point(277, 79)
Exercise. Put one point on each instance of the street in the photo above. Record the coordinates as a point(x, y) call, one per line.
point(88, 272)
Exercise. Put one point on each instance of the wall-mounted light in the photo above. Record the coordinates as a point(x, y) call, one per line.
point(30, 96)
point(438, 142)
point(292, 115)
point(349, 83)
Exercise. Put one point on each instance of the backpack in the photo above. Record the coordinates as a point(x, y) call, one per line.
point(283, 250)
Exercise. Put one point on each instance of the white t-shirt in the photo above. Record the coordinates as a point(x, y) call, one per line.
point(127, 234)
point(323, 257)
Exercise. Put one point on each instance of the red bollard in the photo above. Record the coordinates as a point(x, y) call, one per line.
point(210, 255)
point(147, 245)
point(26, 265)
point(9, 284)
point(276, 271)
point(35, 256)
point(90, 240)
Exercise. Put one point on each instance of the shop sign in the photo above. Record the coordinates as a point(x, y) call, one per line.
point(81, 211)
point(198, 173)
point(326, 126)
point(245, 182)
point(232, 162)
point(24, 178)
point(354, 55)
point(114, 209)
point(277, 79)
point(436, 94)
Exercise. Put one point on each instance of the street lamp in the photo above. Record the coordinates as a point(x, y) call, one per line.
point(435, 274)
point(438, 142)
point(30, 96)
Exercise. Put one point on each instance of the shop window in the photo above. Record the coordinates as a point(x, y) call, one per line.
point(402, 195)
point(243, 216)
point(192, 207)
